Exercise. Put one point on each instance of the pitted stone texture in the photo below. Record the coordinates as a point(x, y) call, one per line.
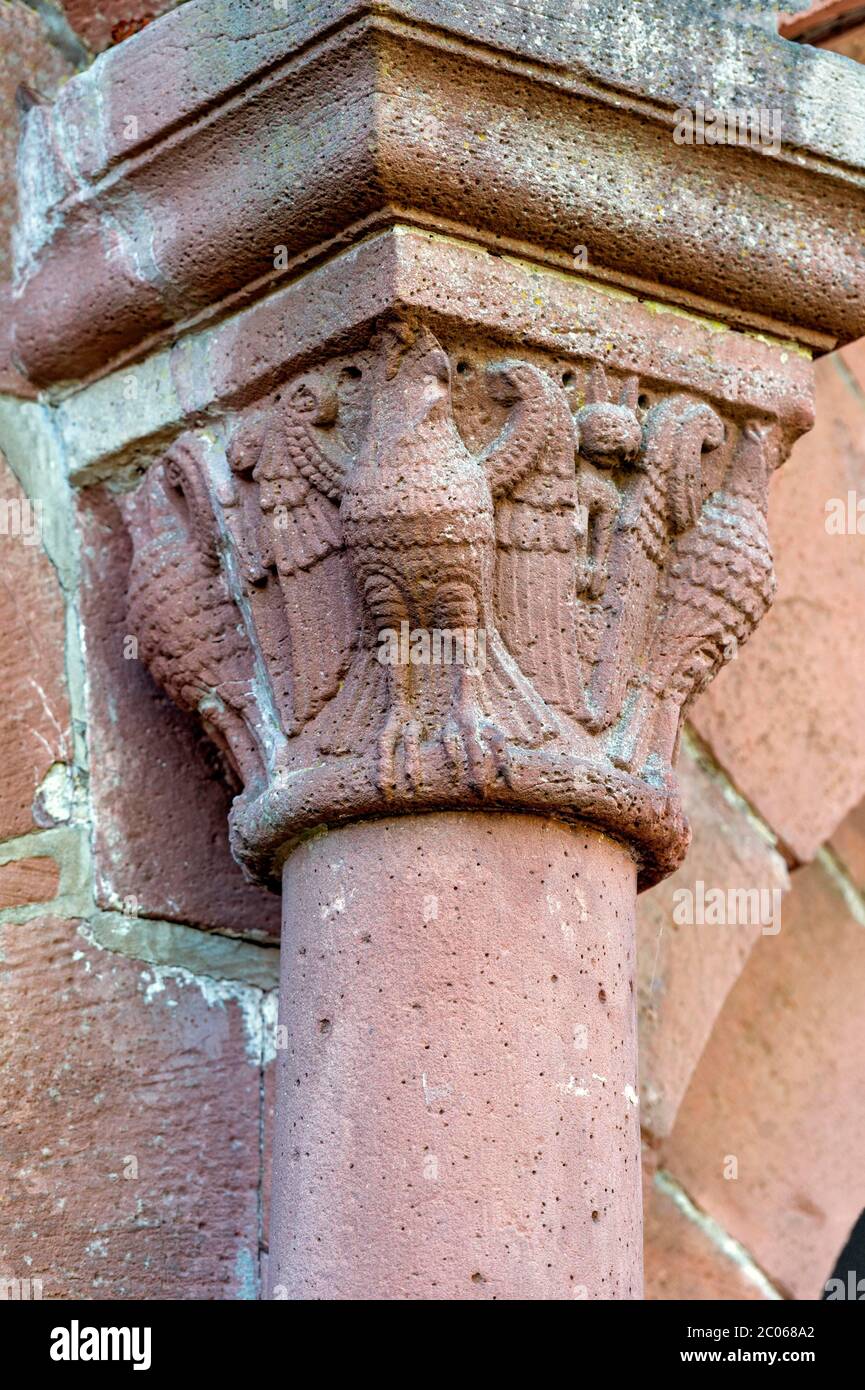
point(777, 1090)
point(26, 57)
point(384, 112)
point(220, 368)
point(34, 711)
point(130, 1126)
point(686, 970)
point(442, 1131)
point(778, 719)
point(160, 809)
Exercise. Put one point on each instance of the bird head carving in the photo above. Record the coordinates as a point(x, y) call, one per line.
point(610, 432)
point(510, 382)
point(412, 390)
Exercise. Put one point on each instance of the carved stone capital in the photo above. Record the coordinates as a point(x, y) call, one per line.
point(441, 384)
point(439, 572)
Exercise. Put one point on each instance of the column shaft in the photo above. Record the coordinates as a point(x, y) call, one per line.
point(456, 1100)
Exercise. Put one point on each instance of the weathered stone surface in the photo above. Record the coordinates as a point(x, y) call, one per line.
point(130, 1117)
point(603, 531)
point(379, 111)
point(25, 881)
point(686, 969)
point(778, 718)
point(268, 1106)
point(265, 555)
point(34, 712)
point(777, 1092)
point(853, 358)
point(129, 416)
point(26, 57)
point(457, 1112)
point(160, 810)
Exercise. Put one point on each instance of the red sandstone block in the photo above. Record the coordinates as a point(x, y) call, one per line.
point(130, 1110)
point(850, 42)
point(101, 23)
point(815, 26)
point(776, 1098)
point(34, 713)
point(12, 383)
point(160, 809)
point(778, 718)
point(809, 22)
point(848, 843)
point(681, 1261)
point(687, 968)
point(28, 881)
point(26, 56)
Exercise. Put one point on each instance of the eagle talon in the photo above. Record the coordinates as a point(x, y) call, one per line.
point(465, 752)
point(454, 745)
point(479, 753)
point(399, 731)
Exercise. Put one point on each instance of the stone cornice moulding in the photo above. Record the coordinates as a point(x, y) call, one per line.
point(120, 422)
point(158, 186)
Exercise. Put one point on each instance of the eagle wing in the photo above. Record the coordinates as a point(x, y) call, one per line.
point(314, 629)
point(538, 611)
point(180, 607)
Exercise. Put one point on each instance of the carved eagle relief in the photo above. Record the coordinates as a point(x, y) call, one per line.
point(415, 533)
point(179, 605)
point(523, 619)
point(717, 583)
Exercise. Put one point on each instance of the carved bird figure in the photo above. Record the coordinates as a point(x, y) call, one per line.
point(662, 500)
point(188, 628)
point(718, 582)
point(412, 522)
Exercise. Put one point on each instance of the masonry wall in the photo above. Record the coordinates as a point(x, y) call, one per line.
point(137, 1023)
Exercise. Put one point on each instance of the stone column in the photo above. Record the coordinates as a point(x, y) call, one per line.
point(440, 606)
point(457, 1102)
point(455, 496)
